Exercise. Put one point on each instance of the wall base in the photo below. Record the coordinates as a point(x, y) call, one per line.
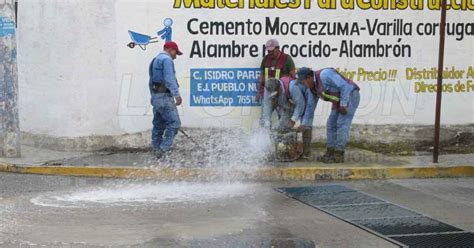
point(397, 139)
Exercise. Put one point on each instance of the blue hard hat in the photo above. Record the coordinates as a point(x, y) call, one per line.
point(304, 72)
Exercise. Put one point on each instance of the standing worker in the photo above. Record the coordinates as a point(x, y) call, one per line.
point(275, 65)
point(164, 99)
point(330, 85)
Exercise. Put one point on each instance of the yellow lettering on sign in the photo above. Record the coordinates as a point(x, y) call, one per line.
point(187, 3)
point(470, 72)
point(347, 4)
point(280, 4)
point(209, 4)
point(469, 86)
point(327, 4)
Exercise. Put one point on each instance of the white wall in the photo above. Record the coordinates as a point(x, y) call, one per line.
point(78, 77)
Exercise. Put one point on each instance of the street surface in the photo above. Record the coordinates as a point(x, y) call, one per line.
point(49, 211)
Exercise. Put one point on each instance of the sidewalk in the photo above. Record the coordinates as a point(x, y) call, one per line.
point(360, 164)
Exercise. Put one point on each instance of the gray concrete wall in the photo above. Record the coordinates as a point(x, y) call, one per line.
point(77, 77)
point(66, 64)
point(398, 137)
point(83, 89)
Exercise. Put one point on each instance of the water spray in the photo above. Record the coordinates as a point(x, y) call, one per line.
point(192, 140)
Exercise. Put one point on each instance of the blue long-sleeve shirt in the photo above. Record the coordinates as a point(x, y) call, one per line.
point(333, 82)
point(162, 70)
point(305, 103)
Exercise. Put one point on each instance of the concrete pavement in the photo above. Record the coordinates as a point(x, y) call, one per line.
point(45, 211)
point(185, 164)
point(355, 157)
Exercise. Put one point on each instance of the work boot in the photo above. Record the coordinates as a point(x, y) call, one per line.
point(339, 157)
point(307, 139)
point(329, 154)
point(167, 154)
point(158, 153)
point(336, 158)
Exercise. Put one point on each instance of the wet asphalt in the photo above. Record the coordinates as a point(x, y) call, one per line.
point(47, 211)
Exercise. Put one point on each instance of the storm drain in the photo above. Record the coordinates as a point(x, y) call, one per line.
point(394, 223)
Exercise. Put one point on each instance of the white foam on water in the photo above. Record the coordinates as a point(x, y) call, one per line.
point(142, 193)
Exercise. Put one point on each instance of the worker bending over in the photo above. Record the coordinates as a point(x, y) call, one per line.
point(305, 103)
point(330, 85)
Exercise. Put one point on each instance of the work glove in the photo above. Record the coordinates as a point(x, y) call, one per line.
point(300, 129)
point(178, 100)
point(342, 110)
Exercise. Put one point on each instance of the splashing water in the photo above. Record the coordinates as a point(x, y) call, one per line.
point(136, 194)
point(242, 150)
point(226, 151)
point(236, 151)
point(224, 148)
point(217, 150)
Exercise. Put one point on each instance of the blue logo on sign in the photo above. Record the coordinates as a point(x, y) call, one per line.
point(227, 87)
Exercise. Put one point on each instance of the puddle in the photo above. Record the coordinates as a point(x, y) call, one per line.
point(142, 193)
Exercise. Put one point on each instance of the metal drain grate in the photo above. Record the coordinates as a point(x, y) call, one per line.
point(370, 211)
point(311, 190)
point(389, 221)
point(451, 240)
point(337, 199)
point(409, 225)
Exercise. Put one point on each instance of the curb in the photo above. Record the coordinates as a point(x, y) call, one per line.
point(261, 174)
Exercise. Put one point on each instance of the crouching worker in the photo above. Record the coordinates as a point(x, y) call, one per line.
point(279, 97)
point(279, 100)
point(164, 99)
point(330, 85)
point(284, 95)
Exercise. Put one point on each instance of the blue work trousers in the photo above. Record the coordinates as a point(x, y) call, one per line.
point(166, 122)
point(339, 125)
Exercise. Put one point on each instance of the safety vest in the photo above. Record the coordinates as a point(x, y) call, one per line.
point(334, 97)
point(274, 71)
point(285, 84)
